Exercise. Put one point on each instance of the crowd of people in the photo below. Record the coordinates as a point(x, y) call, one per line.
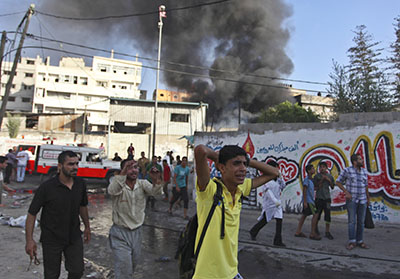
point(13, 168)
point(64, 197)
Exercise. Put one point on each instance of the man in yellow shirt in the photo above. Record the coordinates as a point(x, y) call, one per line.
point(218, 257)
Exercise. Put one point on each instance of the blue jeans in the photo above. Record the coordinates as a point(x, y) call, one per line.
point(356, 218)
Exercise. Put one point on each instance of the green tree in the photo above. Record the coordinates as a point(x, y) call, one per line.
point(361, 86)
point(13, 123)
point(287, 112)
point(395, 59)
point(341, 88)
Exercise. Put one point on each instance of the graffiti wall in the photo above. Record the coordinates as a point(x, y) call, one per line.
point(379, 146)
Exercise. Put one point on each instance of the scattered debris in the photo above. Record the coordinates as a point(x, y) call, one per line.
point(19, 221)
point(92, 275)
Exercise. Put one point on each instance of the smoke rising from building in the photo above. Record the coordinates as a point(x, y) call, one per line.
point(240, 37)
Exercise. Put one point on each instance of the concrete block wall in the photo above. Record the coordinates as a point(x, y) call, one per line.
point(376, 136)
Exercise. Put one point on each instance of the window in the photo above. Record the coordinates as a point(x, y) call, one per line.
point(75, 80)
point(103, 68)
point(40, 92)
point(30, 62)
point(101, 83)
point(28, 74)
point(67, 96)
point(88, 98)
point(7, 72)
point(26, 100)
point(93, 157)
point(53, 77)
point(5, 84)
point(42, 76)
point(113, 86)
point(66, 79)
point(39, 108)
point(11, 99)
point(83, 80)
point(179, 117)
point(27, 87)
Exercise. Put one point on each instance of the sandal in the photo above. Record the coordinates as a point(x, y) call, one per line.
point(351, 246)
point(300, 235)
point(315, 237)
point(362, 245)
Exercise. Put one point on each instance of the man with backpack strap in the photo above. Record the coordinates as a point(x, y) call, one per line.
point(218, 254)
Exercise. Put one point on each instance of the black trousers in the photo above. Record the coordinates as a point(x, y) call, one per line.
point(73, 254)
point(183, 194)
point(8, 173)
point(260, 224)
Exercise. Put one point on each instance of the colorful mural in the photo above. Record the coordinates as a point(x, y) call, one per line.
point(379, 147)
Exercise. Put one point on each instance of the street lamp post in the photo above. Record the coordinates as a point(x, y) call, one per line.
point(160, 26)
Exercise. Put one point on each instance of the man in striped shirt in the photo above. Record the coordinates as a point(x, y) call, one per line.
point(357, 199)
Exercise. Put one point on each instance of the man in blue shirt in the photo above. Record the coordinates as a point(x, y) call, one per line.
point(181, 175)
point(357, 199)
point(308, 205)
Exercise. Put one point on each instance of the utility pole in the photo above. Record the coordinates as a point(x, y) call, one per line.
point(27, 17)
point(84, 125)
point(2, 46)
point(162, 14)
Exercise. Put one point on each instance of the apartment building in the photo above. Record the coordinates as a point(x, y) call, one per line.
point(75, 88)
point(72, 87)
point(21, 93)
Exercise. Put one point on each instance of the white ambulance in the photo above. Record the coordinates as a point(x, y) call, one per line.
point(91, 161)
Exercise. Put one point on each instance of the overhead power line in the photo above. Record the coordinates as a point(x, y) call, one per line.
point(134, 15)
point(32, 36)
point(178, 72)
point(10, 14)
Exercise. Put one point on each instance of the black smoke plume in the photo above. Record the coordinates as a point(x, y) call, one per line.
point(242, 38)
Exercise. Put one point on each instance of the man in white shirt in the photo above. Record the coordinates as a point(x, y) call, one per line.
point(22, 157)
point(3, 165)
point(129, 196)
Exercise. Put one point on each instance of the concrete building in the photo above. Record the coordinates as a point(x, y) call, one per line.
point(130, 121)
point(21, 93)
point(171, 96)
point(72, 87)
point(176, 118)
point(323, 106)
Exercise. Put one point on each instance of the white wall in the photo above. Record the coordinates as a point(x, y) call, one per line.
point(293, 149)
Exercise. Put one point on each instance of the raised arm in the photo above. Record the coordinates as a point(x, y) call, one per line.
point(115, 187)
point(201, 154)
point(268, 173)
